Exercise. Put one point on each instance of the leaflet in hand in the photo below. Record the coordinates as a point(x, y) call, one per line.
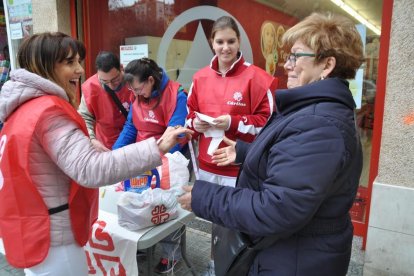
point(206, 118)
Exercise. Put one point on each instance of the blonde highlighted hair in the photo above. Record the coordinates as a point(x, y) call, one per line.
point(330, 36)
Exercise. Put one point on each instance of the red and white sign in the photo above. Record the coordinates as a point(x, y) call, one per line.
point(131, 52)
point(112, 249)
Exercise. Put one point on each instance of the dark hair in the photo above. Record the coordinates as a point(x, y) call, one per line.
point(105, 61)
point(222, 23)
point(40, 52)
point(141, 69)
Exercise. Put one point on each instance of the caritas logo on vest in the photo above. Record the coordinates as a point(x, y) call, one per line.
point(238, 97)
point(151, 117)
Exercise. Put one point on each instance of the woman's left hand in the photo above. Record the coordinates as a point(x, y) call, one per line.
point(222, 122)
point(185, 199)
point(225, 156)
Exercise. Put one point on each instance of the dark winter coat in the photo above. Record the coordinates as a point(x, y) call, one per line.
point(298, 181)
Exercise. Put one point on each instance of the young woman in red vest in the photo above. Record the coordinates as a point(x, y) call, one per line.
point(237, 94)
point(159, 103)
point(49, 168)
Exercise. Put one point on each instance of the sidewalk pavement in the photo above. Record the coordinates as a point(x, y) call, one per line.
point(198, 253)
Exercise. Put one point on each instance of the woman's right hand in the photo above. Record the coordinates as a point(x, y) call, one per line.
point(172, 136)
point(225, 156)
point(200, 126)
point(185, 198)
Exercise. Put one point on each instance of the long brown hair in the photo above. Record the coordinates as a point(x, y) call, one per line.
point(222, 23)
point(40, 53)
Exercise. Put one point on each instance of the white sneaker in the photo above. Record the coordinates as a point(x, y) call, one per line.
point(210, 269)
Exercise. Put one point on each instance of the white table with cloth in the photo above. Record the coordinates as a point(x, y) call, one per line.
point(112, 249)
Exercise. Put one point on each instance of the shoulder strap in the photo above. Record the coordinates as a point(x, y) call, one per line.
point(265, 243)
point(116, 100)
point(58, 209)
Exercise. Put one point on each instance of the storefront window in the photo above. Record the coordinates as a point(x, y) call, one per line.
point(177, 32)
point(365, 123)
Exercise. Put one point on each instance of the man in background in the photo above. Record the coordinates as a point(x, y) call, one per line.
point(104, 117)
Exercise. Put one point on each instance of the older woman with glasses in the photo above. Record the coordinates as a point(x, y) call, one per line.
point(300, 175)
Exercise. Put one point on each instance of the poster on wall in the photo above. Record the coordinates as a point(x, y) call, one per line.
point(131, 52)
point(16, 31)
point(272, 48)
point(20, 17)
point(271, 45)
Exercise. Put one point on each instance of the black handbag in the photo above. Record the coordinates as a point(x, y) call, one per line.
point(233, 251)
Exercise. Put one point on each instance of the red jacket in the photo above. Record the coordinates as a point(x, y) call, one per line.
point(109, 119)
point(24, 217)
point(245, 92)
point(150, 121)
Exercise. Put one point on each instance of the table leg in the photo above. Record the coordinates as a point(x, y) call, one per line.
point(183, 245)
point(150, 255)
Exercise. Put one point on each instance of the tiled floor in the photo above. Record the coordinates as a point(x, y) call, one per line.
point(198, 252)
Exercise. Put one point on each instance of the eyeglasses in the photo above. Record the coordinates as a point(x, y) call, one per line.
point(112, 81)
point(294, 56)
point(136, 90)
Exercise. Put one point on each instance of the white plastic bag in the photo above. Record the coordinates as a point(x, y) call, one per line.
point(174, 172)
point(149, 208)
point(171, 175)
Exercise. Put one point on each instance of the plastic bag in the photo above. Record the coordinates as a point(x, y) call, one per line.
point(149, 208)
point(171, 175)
point(174, 172)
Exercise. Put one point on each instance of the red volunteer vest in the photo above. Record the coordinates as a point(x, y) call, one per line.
point(153, 122)
point(24, 217)
point(109, 119)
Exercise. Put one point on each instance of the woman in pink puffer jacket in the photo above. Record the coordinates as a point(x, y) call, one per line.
point(48, 164)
